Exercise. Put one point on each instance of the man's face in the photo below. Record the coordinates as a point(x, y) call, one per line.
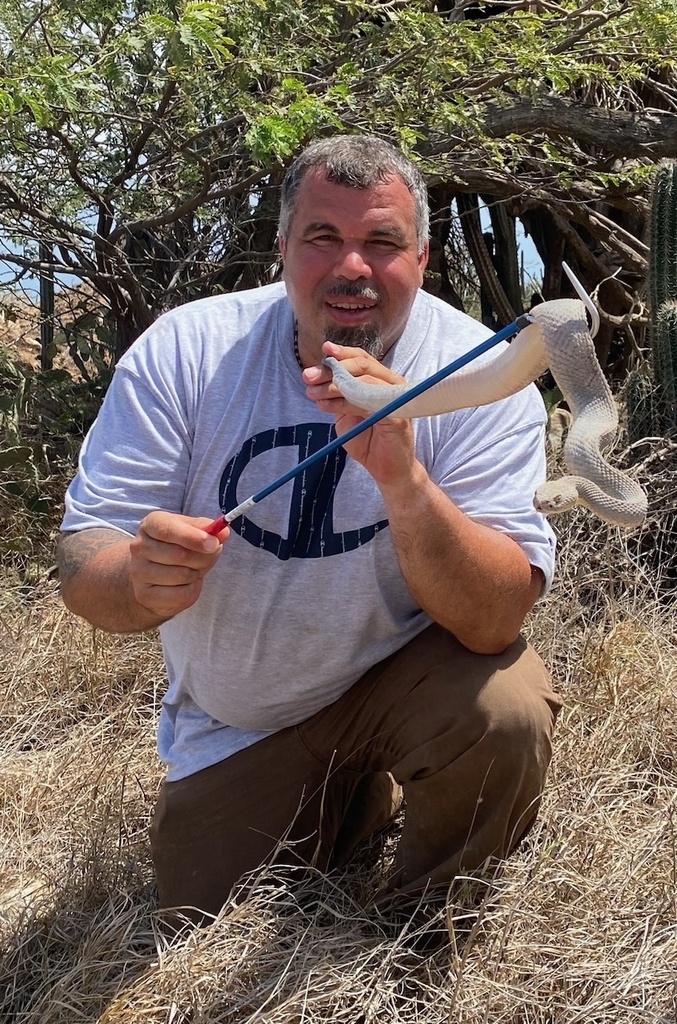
point(351, 262)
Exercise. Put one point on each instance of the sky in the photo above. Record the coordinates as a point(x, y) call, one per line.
point(533, 266)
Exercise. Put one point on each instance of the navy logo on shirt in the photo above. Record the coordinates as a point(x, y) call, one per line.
point(310, 533)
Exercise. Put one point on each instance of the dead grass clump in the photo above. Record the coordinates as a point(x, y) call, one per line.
point(77, 776)
point(580, 927)
point(601, 562)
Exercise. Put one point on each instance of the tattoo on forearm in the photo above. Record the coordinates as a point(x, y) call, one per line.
point(74, 550)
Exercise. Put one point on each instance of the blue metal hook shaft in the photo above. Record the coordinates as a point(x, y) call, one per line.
point(417, 389)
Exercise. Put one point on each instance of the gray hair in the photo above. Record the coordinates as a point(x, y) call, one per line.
point(358, 161)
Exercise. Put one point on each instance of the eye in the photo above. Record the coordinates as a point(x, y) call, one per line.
point(386, 244)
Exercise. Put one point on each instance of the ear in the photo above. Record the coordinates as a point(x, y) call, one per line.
point(282, 245)
point(423, 259)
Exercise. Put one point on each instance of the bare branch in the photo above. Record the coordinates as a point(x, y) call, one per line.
point(651, 134)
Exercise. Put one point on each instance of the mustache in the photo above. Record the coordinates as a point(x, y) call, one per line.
point(352, 291)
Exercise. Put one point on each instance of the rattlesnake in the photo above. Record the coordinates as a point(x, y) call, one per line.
point(557, 337)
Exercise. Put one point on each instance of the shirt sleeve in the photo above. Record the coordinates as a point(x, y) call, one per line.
point(490, 462)
point(134, 459)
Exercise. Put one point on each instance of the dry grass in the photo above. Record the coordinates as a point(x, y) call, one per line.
point(579, 928)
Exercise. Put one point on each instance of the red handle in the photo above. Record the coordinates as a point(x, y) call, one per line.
point(216, 526)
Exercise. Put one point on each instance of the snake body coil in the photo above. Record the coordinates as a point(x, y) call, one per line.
point(558, 338)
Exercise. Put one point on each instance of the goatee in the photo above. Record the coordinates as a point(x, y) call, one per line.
point(366, 337)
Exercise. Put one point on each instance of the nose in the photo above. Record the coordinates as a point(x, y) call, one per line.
point(351, 263)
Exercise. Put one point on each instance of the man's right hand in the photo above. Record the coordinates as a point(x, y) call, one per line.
point(128, 586)
point(170, 556)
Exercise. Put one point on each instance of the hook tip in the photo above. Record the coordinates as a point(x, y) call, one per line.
point(584, 297)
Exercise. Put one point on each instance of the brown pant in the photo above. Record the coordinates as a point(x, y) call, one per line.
point(467, 736)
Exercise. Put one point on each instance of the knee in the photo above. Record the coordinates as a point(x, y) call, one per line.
point(500, 709)
point(517, 708)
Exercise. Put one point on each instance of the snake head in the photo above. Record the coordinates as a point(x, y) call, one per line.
point(555, 496)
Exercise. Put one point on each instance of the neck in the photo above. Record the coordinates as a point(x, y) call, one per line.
point(301, 358)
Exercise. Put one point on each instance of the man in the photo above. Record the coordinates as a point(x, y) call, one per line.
point(362, 624)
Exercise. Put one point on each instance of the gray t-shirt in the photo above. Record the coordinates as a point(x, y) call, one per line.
point(206, 408)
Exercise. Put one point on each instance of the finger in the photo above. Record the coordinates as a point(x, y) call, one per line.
point(159, 574)
point(343, 352)
point(147, 549)
point(329, 390)
point(355, 360)
point(153, 553)
point(221, 534)
point(359, 363)
point(316, 374)
point(167, 601)
point(179, 531)
point(340, 407)
point(322, 391)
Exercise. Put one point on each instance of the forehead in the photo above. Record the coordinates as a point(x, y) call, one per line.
point(388, 203)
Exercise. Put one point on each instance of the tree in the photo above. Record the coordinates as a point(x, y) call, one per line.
point(142, 144)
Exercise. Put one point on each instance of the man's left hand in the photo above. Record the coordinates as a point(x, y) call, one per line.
point(386, 450)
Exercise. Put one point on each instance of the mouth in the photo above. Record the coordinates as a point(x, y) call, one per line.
point(352, 305)
point(351, 309)
point(350, 314)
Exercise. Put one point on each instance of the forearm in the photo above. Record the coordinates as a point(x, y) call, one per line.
point(127, 586)
point(473, 580)
point(95, 581)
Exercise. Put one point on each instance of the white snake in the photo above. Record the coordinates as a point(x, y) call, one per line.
point(558, 338)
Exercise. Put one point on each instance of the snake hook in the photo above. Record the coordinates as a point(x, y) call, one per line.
point(584, 297)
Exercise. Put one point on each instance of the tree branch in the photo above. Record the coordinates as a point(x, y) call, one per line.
point(650, 134)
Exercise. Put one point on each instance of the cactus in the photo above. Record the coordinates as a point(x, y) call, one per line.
point(664, 345)
point(640, 402)
point(663, 237)
point(653, 410)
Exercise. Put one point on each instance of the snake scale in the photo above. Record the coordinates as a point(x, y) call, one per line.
point(557, 337)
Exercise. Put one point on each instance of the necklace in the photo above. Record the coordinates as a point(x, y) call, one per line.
point(296, 345)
